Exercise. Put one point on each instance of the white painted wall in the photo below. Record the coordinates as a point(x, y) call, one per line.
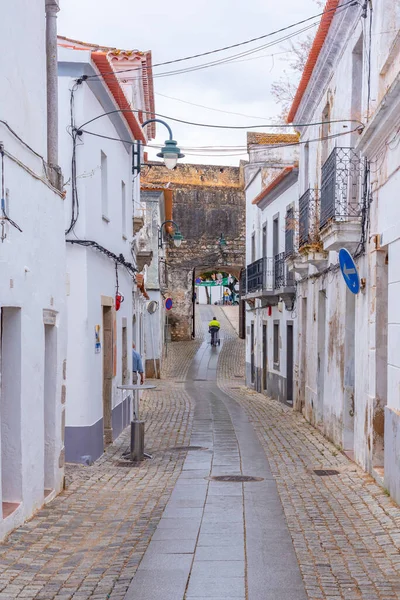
point(32, 268)
point(256, 218)
point(376, 307)
point(92, 274)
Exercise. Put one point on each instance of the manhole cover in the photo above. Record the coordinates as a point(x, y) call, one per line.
point(186, 448)
point(236, 478)
point(325, 472)
point(126, 463)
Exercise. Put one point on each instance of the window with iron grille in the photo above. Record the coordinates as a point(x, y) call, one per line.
point(341, 186)
point(290, 230)
point(309, 218)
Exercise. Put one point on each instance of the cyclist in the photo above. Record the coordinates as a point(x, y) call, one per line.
point(213, 327)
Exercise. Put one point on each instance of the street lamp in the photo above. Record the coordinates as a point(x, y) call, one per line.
point(177, 236)
point(169, 152)
point(222, 242)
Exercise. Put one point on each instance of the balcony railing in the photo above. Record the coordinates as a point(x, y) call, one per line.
point(259, 276)
point(290, 233)
point(282, 276)
point(341, 186)
point(309, 218)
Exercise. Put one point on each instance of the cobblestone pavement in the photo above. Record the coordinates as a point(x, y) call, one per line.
point(89, 541)
point(345, 530)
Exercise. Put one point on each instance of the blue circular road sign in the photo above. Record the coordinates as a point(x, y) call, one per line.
point(349, 271)
point(168, 303)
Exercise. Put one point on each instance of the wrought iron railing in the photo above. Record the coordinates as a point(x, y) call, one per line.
point(309, 218)
point(282, 276)
point(259, 275)
point(341, 186)
point(290, 233)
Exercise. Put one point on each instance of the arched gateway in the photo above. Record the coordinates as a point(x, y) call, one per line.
point(208, 202)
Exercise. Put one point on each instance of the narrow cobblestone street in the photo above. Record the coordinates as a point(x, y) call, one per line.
point(164, 530)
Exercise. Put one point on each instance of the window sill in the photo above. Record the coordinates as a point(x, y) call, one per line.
point(106, 219)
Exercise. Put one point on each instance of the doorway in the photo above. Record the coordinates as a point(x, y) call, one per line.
point(318, 411)
point(107, 373)
point(10, 409)
point(381, 377)
point(303, 358)
point(349, 374)
point(265, 357)
point(49, 405)
point(252, 366)
point(289, 363)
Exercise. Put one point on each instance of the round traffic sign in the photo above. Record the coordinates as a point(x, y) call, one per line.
point(349, 271)
point(168, 303)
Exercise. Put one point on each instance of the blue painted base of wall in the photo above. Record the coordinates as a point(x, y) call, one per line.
point(84, 445)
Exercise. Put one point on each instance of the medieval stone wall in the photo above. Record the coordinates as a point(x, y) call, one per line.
point(207, 200)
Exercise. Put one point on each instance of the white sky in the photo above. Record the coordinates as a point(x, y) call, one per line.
point(176, 28)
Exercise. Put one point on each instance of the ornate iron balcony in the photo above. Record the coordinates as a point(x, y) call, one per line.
point(282, 277)
point(309, 218)
point(260, 276)
point(341, 186)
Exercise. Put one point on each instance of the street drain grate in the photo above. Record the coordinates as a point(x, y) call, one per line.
point(325, 472)
point(126, 463)
point(236, 478)
point(186, 448)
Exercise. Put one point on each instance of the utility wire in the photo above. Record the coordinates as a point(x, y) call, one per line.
point(276, 126)
point(118, 259)
point(249, 41)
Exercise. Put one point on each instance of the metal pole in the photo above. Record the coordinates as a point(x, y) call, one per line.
point(52, 8)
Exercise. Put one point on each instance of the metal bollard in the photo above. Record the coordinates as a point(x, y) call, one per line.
point(137, 440)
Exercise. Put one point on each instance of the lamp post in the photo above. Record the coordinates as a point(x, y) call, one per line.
point(222, 241)
point(169, 152)
point(177, 236)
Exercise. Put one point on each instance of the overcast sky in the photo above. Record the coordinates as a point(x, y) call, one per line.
point(176, 28)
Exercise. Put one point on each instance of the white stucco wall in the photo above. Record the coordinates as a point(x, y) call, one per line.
point(32, 267)
point(256, 219)
point(92, 275)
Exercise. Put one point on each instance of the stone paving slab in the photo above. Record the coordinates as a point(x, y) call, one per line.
point(345, 530)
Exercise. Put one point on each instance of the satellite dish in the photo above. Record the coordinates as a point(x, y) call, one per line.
point(152, 306)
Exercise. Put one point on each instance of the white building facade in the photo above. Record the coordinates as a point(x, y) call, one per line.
point(32, 267)
point(349, 370)
point(102, 189)
point(268, 287)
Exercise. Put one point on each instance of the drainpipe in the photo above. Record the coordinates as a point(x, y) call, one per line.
point(52, 8)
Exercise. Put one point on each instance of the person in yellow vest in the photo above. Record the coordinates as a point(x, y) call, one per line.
point(213, 327)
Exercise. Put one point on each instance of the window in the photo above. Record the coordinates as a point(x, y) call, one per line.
point(264, 240)
point(123, 208)
point(306, 166)
point(276, 344)
point(326, 117)
point(104, 186)
point(275, 236)
point(253, 247)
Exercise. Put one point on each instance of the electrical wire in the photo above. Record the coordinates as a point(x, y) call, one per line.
point(15, 134)
point(212, 126)
point(74, 186)
point(249, 41)
point(228, 112)
point(118, 259)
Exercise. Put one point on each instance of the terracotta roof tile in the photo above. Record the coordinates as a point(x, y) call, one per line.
point(266, 139)
point(280, 177)
point(319, 40)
